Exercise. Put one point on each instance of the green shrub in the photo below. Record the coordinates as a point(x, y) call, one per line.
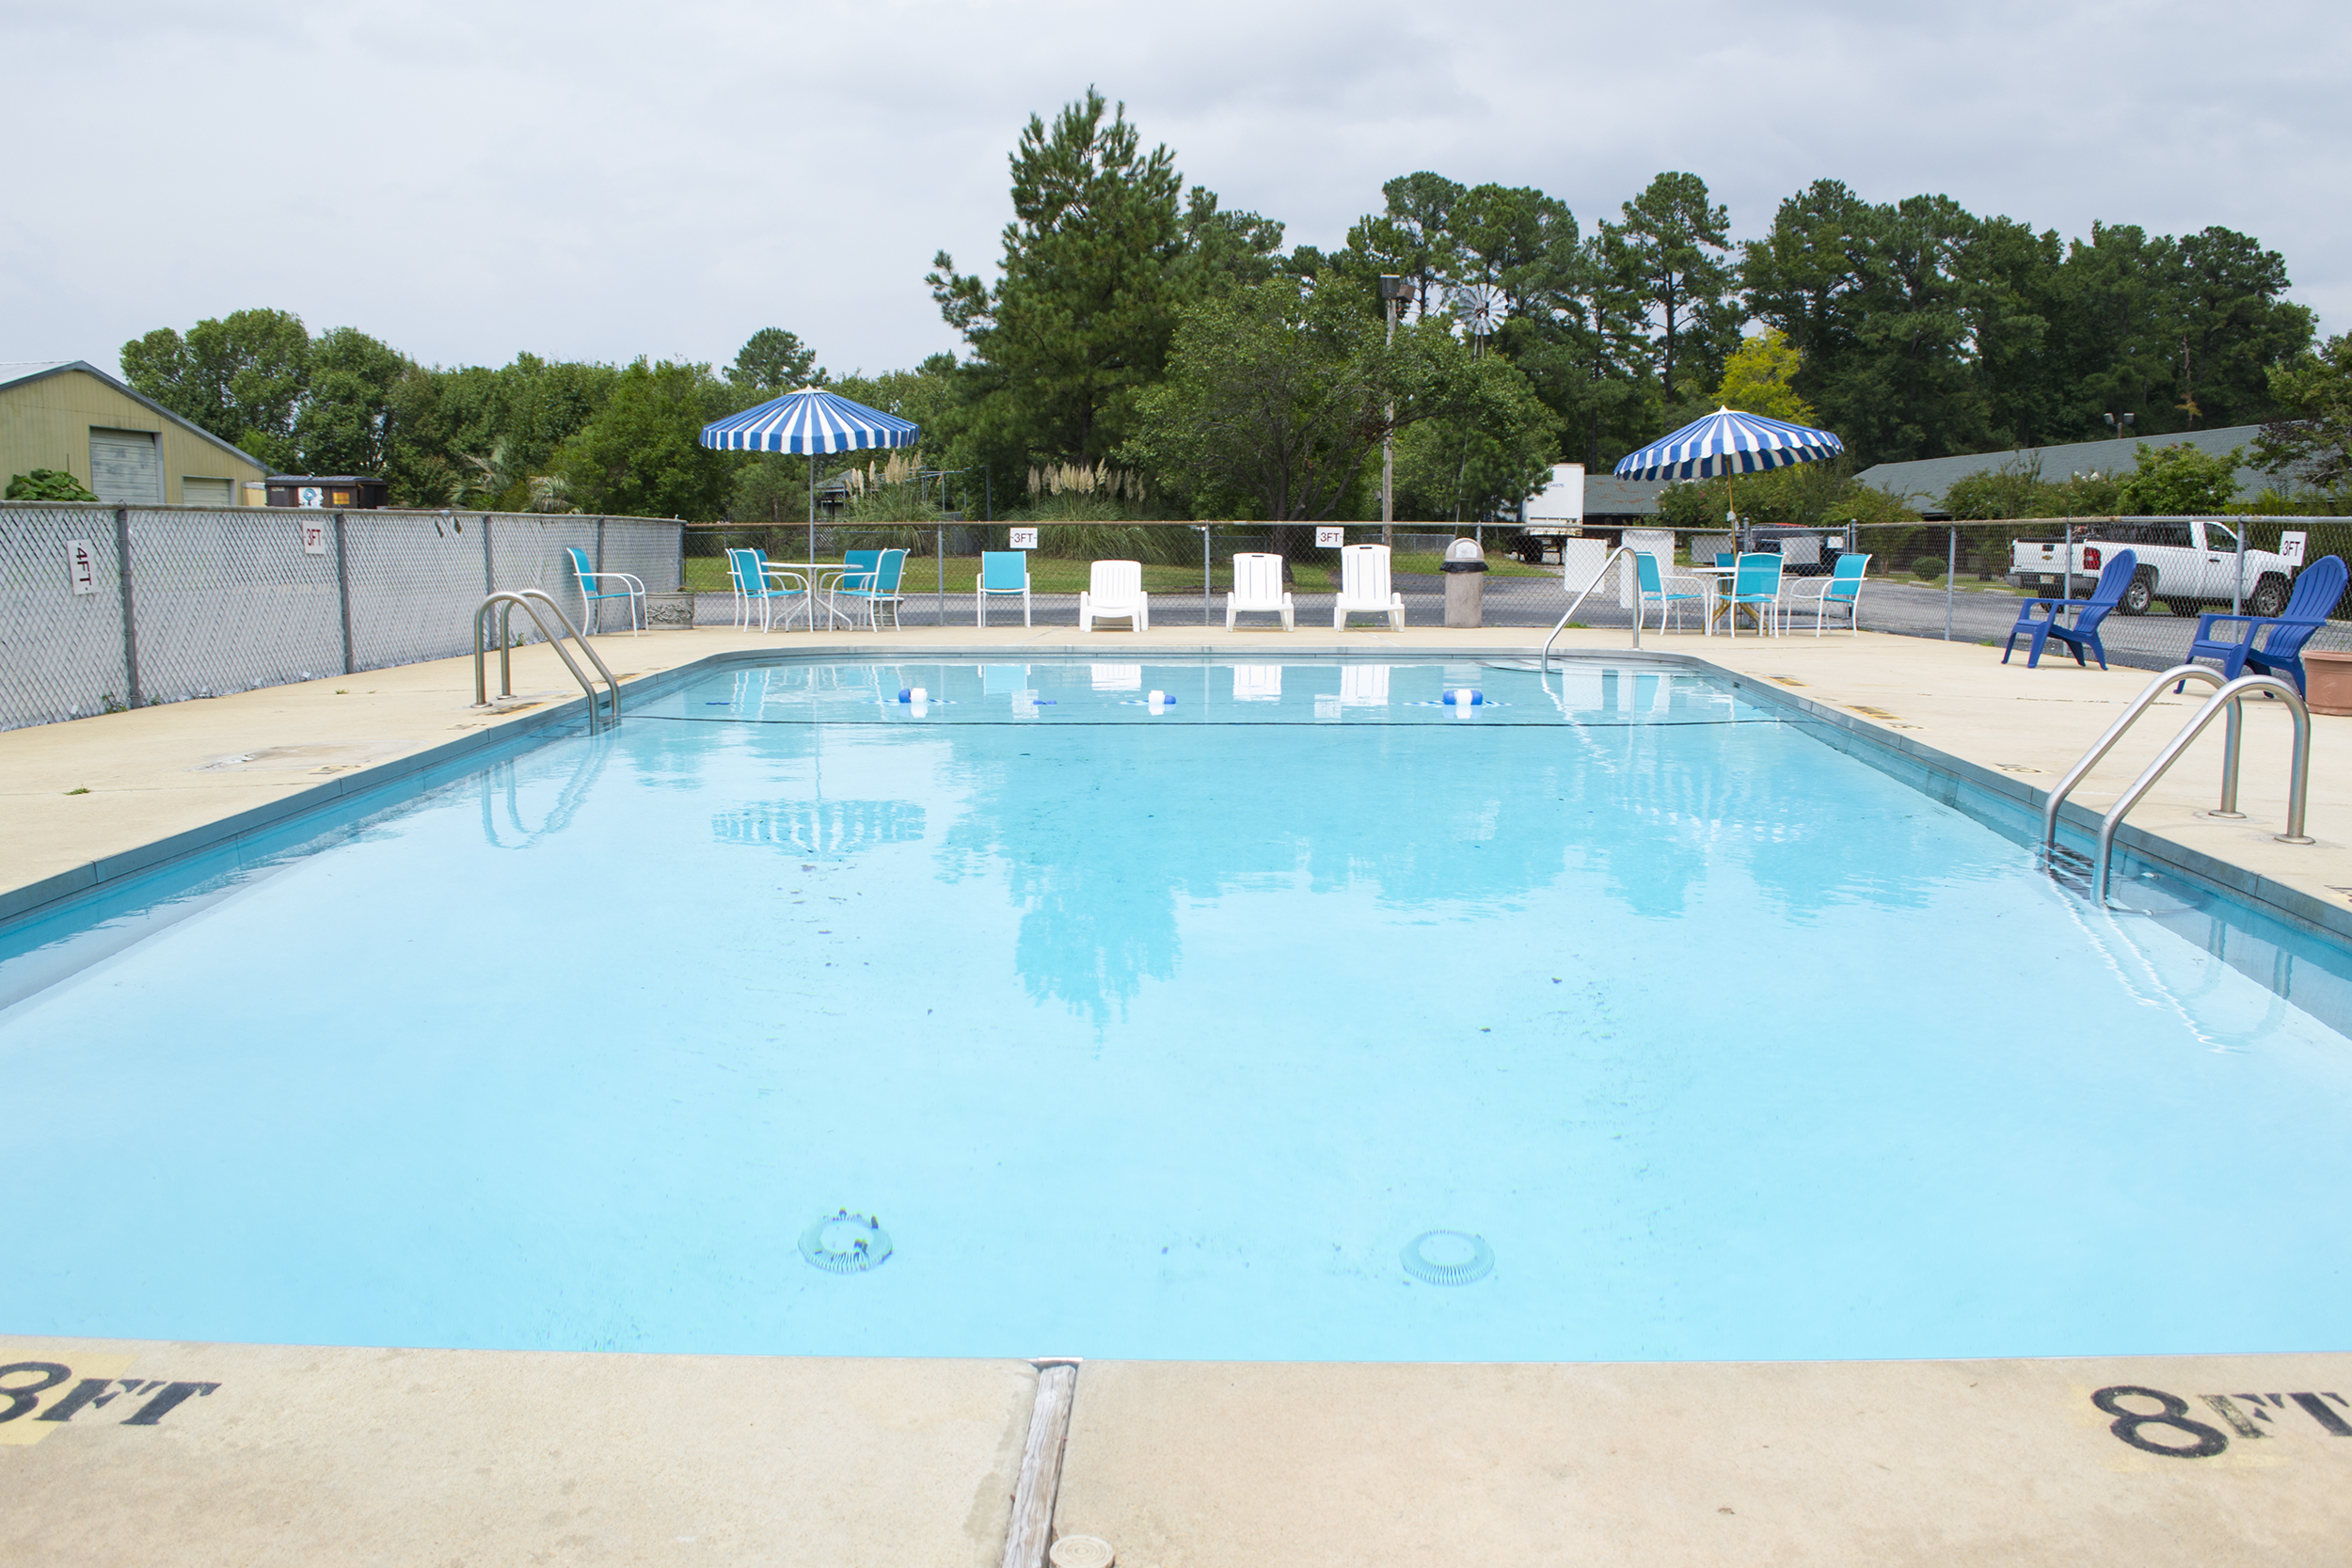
point(1929, 568)
point(47, 485)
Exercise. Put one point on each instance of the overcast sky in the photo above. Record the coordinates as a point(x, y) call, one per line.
point(466, 178)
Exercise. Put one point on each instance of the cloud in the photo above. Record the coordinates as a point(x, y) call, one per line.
point(605, 179)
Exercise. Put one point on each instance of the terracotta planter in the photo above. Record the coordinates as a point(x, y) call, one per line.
point(2327, 674)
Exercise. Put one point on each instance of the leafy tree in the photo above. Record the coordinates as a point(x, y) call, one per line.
point(2015, 489)
point(641, 454)
point(1758, 376)
point(2177, 481)
point(773, 362)
point(1278, 396)
point(1275, 398)
point(1805, 495)
point(242, 377)
point(2312, 437)
point(1097, 263)
point(1671, 253)
point(477, 435)
point(344, 424)
point(2233, 326)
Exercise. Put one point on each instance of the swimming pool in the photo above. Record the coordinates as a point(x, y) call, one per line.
point(1308, 1016)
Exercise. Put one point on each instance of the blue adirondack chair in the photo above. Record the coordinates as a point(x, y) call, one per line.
point(633, 589)
point(2317, 588)
point(2083, 633)
point(1653, 584)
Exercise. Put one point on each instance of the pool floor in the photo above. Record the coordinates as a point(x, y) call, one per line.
point(1309, 1017)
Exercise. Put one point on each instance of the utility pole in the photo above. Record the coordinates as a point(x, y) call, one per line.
point(1393, 292)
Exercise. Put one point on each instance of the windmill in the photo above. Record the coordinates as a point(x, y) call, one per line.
point(1480, 308)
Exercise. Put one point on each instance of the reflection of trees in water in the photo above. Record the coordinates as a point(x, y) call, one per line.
point(1428, 817)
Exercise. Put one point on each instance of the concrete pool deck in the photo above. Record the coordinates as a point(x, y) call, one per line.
point(261, 1454)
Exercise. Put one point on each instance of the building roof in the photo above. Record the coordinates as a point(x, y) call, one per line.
point(1924, 481)
point(1607, 496)
point(23, 371)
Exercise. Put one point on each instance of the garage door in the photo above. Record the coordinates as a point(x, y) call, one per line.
point(124, 468)
point(203, 492)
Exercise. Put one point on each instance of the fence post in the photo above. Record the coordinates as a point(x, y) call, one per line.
point(939, 615)
point(342, 588)
point(2237, 589)
point(681, 572)
point(487, 586)
point(1951, 577)
point(1205, 574)
point(599, 544)
point(130, 609)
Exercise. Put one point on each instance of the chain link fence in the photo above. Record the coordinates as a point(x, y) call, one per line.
point(231, 599)
point(105, 608)
point(1966, 581)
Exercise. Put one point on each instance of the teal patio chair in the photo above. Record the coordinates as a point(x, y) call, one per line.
point(757, 583)
point(873, 589)
point(592, 603)
point(1003, 575)
point(1840, 590)
point(1653, 584)
point(1756, 588)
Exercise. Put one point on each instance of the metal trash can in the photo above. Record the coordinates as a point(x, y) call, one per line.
point(1465, 570)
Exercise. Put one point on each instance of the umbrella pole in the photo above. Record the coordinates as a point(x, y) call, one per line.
point(812, 542)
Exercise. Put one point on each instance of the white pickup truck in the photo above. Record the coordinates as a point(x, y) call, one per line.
point(2191, 563)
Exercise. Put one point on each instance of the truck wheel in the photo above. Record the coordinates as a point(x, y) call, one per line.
point(2141, 594)
point(2269, 598)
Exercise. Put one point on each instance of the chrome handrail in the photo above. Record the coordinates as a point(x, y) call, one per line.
point(2105, 743)
point(1544, 665)
point(504, 600)
point(2231, 694)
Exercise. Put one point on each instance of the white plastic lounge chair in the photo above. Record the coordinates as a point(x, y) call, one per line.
point(1364, 587)
point(1363, 685)
point(1258, 590)
point(1257, 683)
point(1114, 592)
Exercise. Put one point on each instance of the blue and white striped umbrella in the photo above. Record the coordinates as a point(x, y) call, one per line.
point(810, 420)
point(1729, 442)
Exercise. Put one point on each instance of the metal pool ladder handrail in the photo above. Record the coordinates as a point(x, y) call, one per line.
point(2105, 743)
point(504, 600)
point(2226, 699)
point(1544, 665)
point(2298, 775)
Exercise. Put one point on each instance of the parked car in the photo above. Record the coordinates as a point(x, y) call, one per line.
point(2191, 563)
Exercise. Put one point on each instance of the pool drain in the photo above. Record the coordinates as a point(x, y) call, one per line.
point(846, 1243)
point(1448, 1258)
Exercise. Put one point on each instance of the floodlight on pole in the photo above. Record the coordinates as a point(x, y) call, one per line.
point(1394, 292)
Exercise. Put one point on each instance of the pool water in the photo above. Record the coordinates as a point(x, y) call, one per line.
point(1307, 1016)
